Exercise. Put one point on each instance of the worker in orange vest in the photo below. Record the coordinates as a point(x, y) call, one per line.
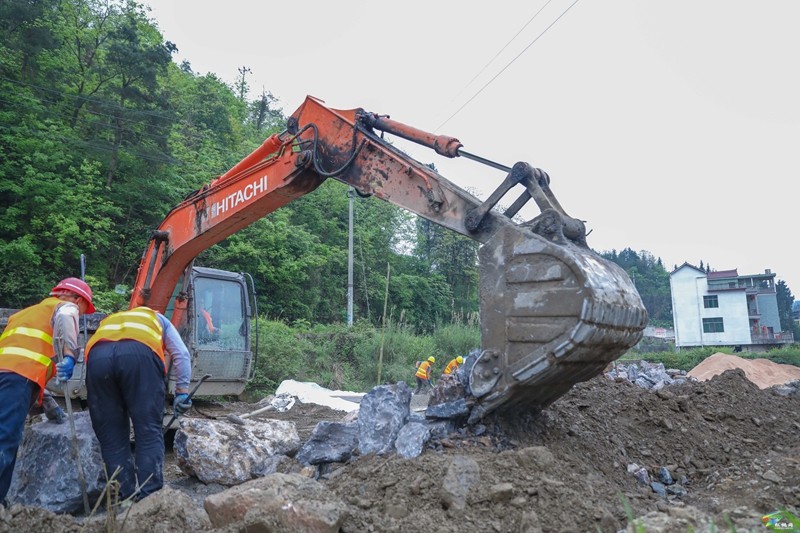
point(423, 374)
point(209, 323)
point(125, 379)
point(27, 361)
point(453, 365)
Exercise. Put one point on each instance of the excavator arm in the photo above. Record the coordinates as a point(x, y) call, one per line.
point(553, 312)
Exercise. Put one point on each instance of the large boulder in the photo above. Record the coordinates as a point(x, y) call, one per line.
point(46, 474)
point(216, 451)
point(384, 411)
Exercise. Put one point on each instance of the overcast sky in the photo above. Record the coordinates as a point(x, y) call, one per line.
point(671, 127)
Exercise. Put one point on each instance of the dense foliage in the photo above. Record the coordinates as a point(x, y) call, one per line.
point(651, 280)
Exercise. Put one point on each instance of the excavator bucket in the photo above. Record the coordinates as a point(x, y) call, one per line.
point(553, 313)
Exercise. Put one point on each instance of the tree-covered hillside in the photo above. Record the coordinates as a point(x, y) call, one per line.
point(101, 134)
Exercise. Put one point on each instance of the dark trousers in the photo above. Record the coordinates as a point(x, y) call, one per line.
point(17, 394)
point(125, 380)
point(422, 384)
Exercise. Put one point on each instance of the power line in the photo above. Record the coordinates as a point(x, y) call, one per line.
point(96, 145)
point(506, 45)
point(504, 68)
point(162, 130)
point(81, 97)
point(165, 130)
point(85, 122)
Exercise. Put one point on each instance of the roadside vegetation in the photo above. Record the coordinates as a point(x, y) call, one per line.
point(342, 358)
point(688, 359)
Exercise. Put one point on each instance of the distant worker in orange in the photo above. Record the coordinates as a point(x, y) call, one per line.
point(453, 365)
point(423, 374)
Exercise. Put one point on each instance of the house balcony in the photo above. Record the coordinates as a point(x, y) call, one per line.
point(782, 337)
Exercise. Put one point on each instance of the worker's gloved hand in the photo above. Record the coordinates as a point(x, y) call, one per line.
point(52, 410)
point(182, 403)
point(64, 369)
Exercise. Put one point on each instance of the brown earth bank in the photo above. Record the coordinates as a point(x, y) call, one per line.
point(734, 447)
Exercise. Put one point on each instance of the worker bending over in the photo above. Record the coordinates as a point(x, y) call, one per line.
point(423, 374)
point(27, 361)
point(453, 365)
point(125, 378)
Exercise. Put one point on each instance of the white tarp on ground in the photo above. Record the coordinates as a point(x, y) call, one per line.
point(308, 392)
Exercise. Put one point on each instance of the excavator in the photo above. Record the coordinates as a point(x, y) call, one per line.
point(552, 312)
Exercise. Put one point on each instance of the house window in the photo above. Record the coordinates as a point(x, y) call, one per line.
point(710, 301)
point(713, 325)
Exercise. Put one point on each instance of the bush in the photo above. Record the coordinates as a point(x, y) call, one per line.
point(282, 355)
point(347, 358)
point(455, 339)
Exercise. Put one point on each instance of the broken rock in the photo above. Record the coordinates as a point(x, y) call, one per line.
point(462, 474)
point(330, 442)
point(46, 474)
point(215, 451)
point(384, 410)
point(411, 439)
point(278, 502)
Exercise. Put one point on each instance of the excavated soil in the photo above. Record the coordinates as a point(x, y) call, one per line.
point(735, 446)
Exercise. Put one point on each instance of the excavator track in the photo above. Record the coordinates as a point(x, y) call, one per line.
point(553, 314)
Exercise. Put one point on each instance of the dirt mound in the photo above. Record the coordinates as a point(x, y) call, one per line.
point(734, 446)
point(762, 372)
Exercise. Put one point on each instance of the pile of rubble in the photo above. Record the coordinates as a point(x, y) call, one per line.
point(236, 449)
point(652, 376)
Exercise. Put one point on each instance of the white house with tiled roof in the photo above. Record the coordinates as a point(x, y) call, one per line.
point(722, 308)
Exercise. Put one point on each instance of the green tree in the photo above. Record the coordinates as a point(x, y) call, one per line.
point(84, 28)
point(650, 279)
point(785, 300)
point(455, 258)
point(139, 56)
point(24, 34)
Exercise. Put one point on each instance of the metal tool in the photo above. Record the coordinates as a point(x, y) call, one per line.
point(58, 347)
point(191, 394)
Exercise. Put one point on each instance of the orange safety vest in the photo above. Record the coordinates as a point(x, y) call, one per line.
point(139, 324)
point(209, 322)
point(422, 370)
point(451, 367)
point(26, 346)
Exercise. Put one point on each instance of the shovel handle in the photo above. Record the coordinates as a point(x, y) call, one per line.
point(191, 394)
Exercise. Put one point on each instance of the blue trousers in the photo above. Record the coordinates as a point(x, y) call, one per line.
point(17, 395)
point(125, 381)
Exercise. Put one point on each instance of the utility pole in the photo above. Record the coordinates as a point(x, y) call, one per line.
point(350, 194)
point(242, 83)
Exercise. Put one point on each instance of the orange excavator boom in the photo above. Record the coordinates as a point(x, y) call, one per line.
point(553, 312)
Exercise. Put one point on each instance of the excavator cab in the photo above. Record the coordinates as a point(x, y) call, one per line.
point(217, 330)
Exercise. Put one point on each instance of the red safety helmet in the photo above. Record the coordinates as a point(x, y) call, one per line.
point(77, 286)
